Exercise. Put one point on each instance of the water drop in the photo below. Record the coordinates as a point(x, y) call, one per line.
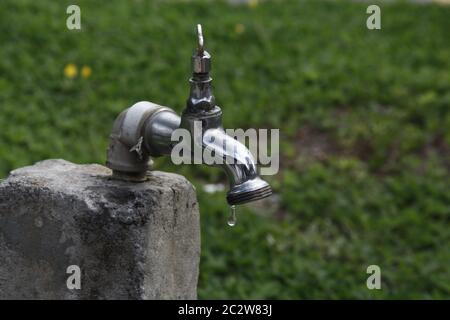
point(232, 218)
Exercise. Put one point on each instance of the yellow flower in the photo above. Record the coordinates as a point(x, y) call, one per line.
point(70, 71)
point(252, 3)
point(239, 28)
point(86, 72)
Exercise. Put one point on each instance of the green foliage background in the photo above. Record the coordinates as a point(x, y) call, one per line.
point(364, 118)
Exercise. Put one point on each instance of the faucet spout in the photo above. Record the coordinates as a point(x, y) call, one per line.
point(239, 166)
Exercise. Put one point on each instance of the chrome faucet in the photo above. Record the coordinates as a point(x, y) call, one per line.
point(145, 130)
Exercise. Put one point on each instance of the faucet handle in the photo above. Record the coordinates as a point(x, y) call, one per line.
point(201, 97)
point(201, 59)
point(200, 39)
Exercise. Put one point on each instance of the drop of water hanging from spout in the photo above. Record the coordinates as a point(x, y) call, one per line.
point(232, 218)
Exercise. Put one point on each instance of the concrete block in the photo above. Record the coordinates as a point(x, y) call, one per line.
point(129, 240)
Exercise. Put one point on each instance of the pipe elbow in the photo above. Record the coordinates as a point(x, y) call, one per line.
point(128, 154)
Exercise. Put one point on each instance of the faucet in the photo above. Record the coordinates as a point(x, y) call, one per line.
point(145, 130)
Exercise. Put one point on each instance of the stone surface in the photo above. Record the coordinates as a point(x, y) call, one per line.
point(130, 240)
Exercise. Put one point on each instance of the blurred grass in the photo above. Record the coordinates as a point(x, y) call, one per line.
point(364, 118)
